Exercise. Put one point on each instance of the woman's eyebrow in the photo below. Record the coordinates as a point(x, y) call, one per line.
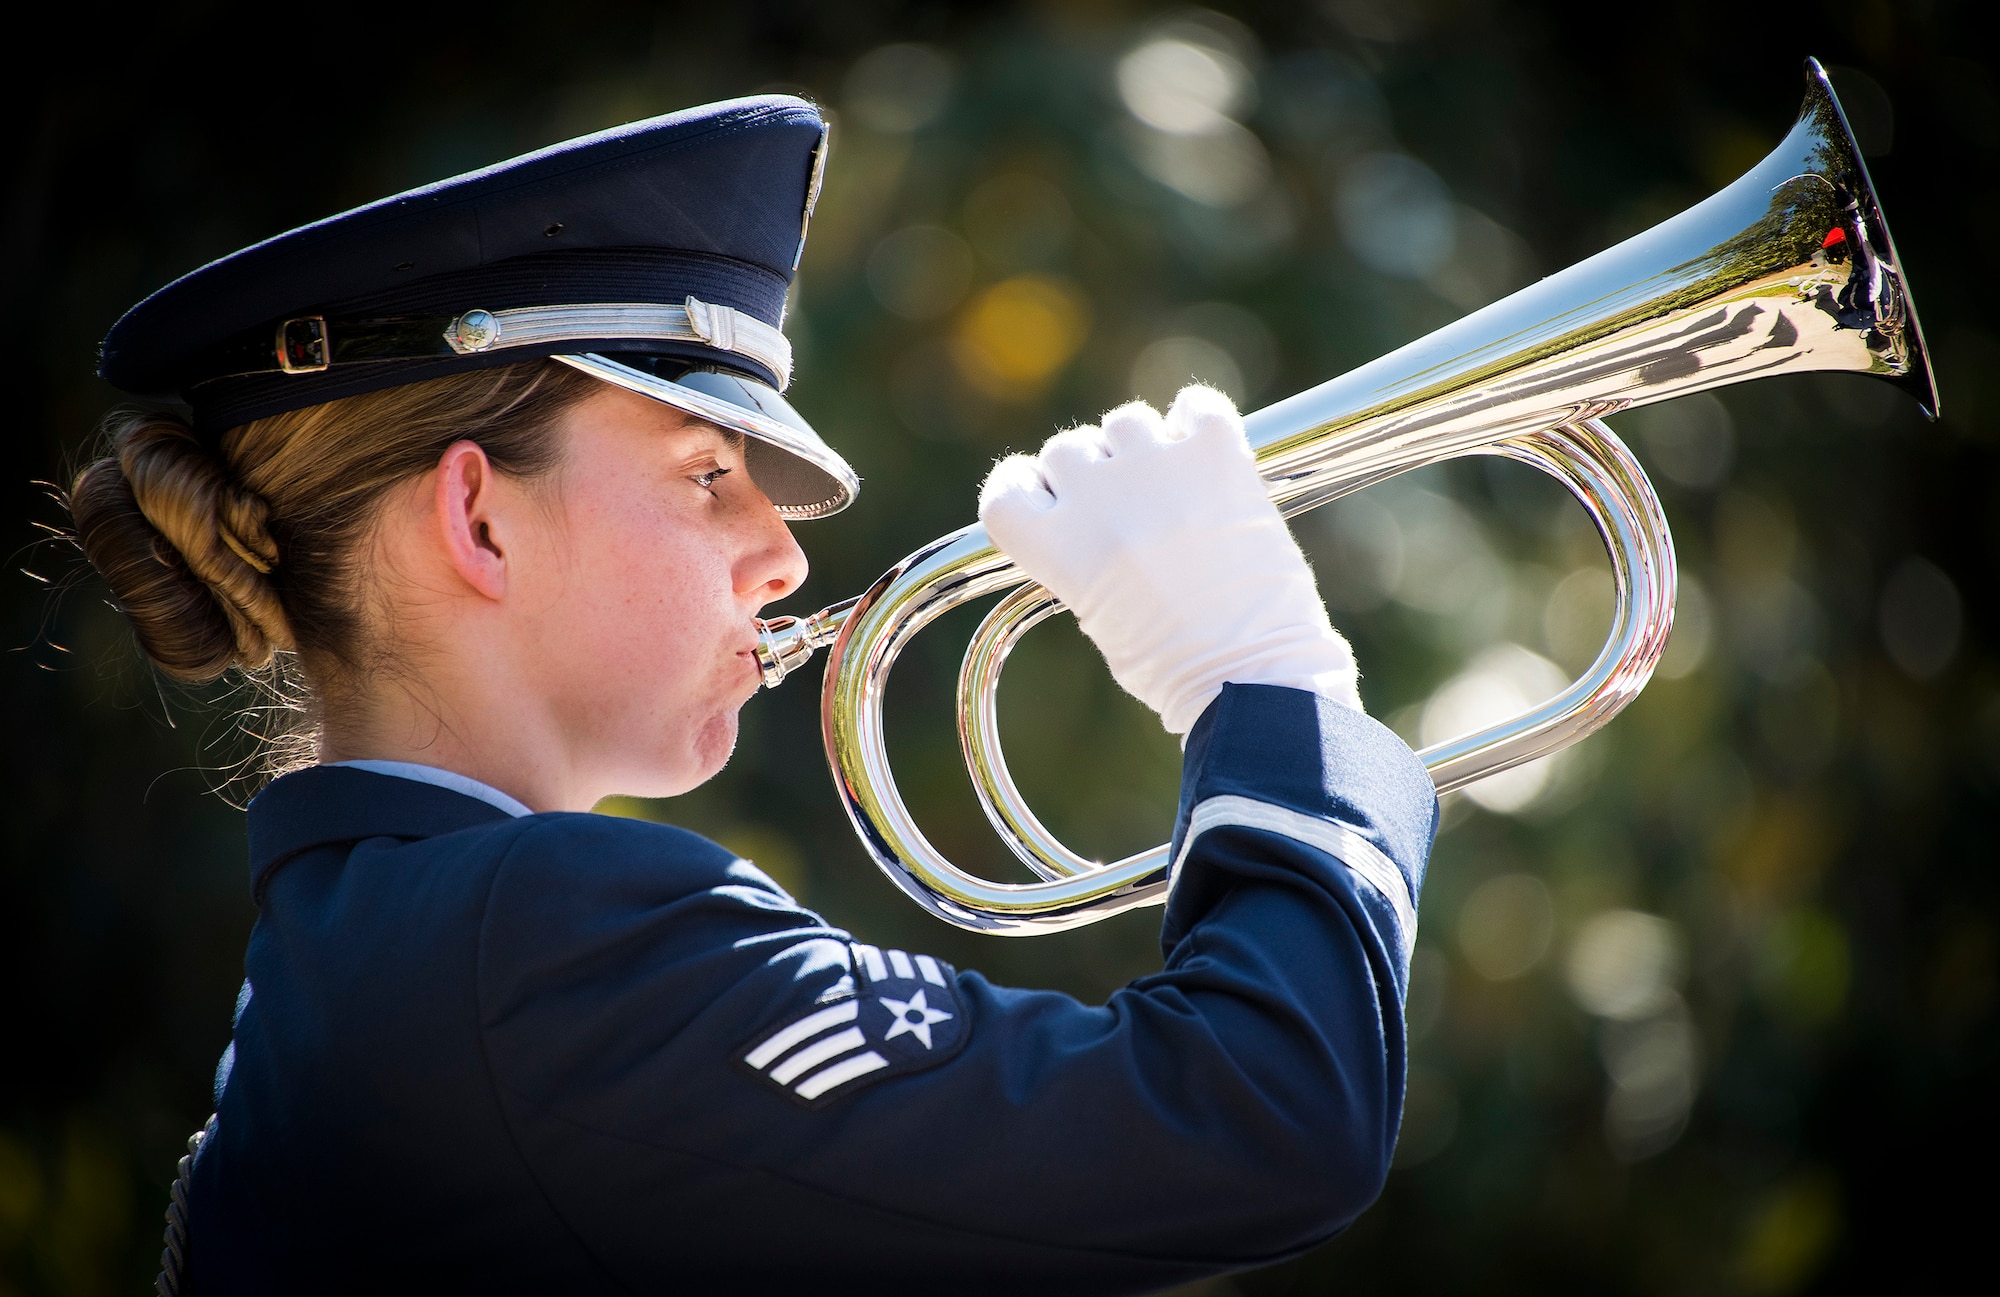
point(719, 442)
point(727, 436)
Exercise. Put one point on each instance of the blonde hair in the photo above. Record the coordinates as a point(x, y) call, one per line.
point(234, 558)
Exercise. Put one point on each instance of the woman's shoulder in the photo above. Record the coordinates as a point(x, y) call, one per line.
point(403, 822)
point(569, 858)
point(599, 902)
point(613, 838)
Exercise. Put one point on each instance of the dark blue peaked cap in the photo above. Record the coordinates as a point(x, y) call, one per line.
point(655, 256)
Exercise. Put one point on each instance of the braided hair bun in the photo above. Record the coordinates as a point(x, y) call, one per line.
point(184, 547)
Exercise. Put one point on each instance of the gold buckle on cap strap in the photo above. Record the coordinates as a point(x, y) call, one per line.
point(302, 346)
point(721, 327)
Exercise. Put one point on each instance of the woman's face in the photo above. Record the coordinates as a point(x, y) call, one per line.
point(639, 607)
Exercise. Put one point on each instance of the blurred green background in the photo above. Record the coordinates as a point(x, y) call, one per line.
point(1705, 1005)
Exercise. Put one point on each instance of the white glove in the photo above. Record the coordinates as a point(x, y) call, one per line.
point(1159, 535)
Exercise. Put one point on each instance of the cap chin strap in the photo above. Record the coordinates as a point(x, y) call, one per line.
point(312, 344)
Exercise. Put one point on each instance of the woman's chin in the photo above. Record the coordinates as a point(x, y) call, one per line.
point(714, 745)
point(691, 763)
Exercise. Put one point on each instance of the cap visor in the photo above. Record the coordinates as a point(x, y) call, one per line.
point(799, 473)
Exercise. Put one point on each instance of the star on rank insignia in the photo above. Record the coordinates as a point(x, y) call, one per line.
point(903, 1015)
point(915, 1017)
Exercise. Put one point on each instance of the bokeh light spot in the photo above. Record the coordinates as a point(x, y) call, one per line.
point(1505, 926)
point(1019, 333)
point(1501, 682)
point(1625, 964)
point(1363, 546)
point(1226, 167)
point(1181, 87)
point(1166, 365)
point(1396, 215)
point(1694, 629)
point(1487, 261)
point(1654, 1069)
point(1578, 616)
point(1691, 440)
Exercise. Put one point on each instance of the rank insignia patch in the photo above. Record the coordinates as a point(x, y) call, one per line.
point(904, 1017)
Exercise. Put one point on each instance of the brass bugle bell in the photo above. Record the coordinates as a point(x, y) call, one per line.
point(1789, 270)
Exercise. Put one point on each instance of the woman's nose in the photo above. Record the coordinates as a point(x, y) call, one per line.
point(773, 565)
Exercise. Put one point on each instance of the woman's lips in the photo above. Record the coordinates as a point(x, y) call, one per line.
point(748, 657)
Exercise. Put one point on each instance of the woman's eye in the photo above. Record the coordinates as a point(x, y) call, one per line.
point(707, 480)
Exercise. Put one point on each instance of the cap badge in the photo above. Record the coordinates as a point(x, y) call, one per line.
point(473, 331)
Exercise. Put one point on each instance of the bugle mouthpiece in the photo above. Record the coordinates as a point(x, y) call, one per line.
point(785, 643)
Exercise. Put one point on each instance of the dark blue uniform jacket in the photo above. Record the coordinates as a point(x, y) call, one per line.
point(573, 1053)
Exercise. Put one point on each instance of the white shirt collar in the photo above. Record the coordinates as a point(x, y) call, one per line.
point(443, 779)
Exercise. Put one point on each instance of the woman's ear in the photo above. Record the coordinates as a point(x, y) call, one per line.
point(468, 509)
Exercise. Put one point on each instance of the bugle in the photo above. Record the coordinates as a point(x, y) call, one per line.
point(1788, 270)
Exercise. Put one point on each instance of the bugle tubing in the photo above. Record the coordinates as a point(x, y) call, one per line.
point(1789, 270)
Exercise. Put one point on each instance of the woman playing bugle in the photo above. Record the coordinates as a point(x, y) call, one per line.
point(501, 470)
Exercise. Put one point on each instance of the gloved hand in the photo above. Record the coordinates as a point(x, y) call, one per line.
point(1159, 535)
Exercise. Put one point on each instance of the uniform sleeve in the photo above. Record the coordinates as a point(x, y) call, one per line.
point(711, 1082)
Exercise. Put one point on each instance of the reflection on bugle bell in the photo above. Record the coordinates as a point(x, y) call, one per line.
point(1788, 270)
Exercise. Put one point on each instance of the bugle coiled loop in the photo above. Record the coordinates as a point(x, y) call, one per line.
point(1586, 458)
point(1789, 270)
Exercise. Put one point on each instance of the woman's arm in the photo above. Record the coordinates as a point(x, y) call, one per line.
point(1236, 1107)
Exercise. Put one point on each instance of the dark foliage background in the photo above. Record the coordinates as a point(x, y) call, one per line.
point(1708, 1006)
